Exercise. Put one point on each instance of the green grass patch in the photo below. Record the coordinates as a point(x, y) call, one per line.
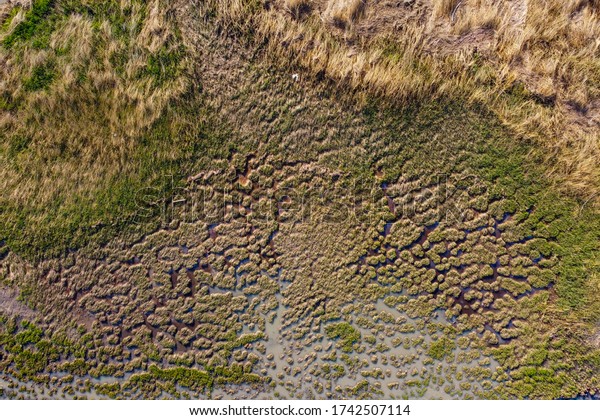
point(41, 78)
point(27, 351)
point(174, 146)
point(441, 348)
point(196, 379)
point(164, 66)
point(33, 25)
point(346, 333)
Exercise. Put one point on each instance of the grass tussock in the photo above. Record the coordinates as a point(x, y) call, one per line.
point(533, 63)
point(343, 13)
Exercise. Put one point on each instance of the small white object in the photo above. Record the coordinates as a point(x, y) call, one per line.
point(296, 77)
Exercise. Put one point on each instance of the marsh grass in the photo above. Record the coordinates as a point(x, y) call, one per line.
point(354, 140)
point(97, 102)
point(346, 333)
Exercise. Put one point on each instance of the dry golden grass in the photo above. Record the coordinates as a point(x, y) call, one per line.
point(445, 8)
point(74, 110)
point(344, 13)
point(534, 63)
point(478, 14)
point(100, 97)
point(297, 7)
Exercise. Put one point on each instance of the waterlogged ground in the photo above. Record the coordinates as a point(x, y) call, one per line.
point(278, 278)
point(338, 249)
